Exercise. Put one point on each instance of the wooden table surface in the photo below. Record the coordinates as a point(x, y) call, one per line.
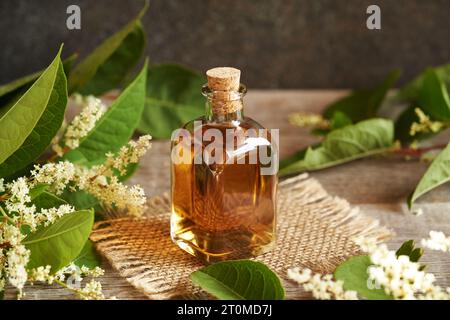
point(377, 185)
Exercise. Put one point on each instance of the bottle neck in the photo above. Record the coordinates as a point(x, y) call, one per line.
point(215, 113)
point(224, 106)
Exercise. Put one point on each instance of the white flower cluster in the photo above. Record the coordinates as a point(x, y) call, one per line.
point(84, 122)
point(306, 119)
point(71, 273)
point(398, 276)
point(13, 256)
point(17, 209)
point(437, 241)
point(128, 154)
point(101, 182)
point(425, 124)
point(2, 185)
point(321, 286)
point(113, 193)
point(18, 204)
point(56, 175)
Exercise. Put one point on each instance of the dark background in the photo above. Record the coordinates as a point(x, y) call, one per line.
point(277, 44)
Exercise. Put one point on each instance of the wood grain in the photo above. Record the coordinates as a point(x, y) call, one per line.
point(378, 186)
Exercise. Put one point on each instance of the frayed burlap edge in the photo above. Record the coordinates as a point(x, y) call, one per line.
point(315, 230)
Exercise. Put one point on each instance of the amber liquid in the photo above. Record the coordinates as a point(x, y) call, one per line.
point(223, 211)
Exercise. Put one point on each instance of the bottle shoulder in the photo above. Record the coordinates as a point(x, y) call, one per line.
point(202, 121)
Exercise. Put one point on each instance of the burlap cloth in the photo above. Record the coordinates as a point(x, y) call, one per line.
point(315, 230)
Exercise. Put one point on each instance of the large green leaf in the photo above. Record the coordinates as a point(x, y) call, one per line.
point(109, 64)
point(19, 120)
point(88, 257)
point(45, 129)
point(60, 243)
point(363, 104)
point(17, 87)
point(437, 174)
point(353, 272)
point(43, 199)
point(239, 280)
point(80, 199)
point(352, 142)
point(411, 90)
point(115, 127)
point(173, 98)
point(433, 97)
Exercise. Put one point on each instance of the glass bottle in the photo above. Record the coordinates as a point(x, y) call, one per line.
point(224, 177)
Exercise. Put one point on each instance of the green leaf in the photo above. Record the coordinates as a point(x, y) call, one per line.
point(239, 280)
point(296, 157)
point(81, 200)
point(47, 200)
point(416, 254)
point(437, 174)
point(406, 248)
point(17, 87)
point(28, 124)
point(340, 120)
point(109, 64)
point(88, 257)
point(352, 142)
point(173, 98)
point(115, 128)
point(403, 126)
point(61, 242)
point(433, 97)
point(363, 104)
point(411, 90)
point(353, 272)
point(45, 129)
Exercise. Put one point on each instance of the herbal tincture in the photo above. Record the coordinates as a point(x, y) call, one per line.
point(224, 177)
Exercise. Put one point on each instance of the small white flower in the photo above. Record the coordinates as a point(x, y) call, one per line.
point(84, 122)
point(321, 287)
point(437, 241)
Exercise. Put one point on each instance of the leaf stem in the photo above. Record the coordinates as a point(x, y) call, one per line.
point(417, 152)
point(5, 216)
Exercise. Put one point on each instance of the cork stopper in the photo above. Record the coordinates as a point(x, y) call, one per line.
point(224, 83)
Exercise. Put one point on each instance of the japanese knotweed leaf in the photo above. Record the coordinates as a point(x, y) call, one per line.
point(363, 104)
point(433, 99)
point(60, 243)
point(411, 91)
point(17, 87)
point(353, 272)
point(110, 63)
point(342, 145)
point(239, 280)
point(437, 173)
point(44, 199)
point(173, 98)
point(28, 124)
point(88, 256)
point(115, 127)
